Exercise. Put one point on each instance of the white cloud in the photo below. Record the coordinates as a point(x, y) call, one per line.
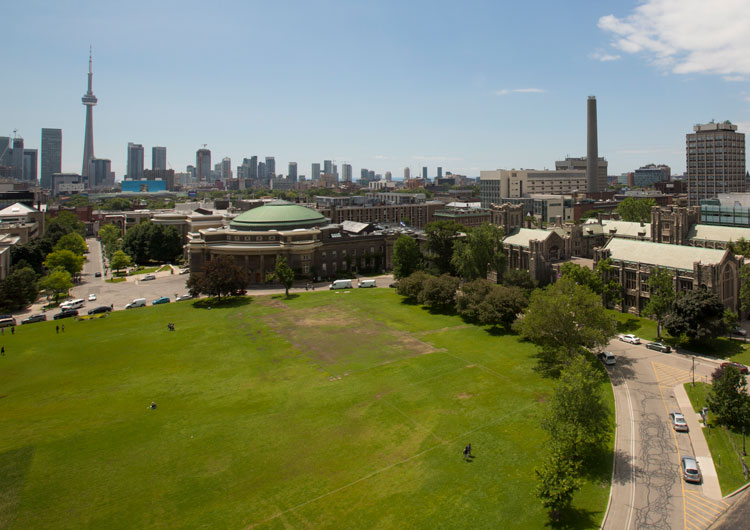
point(687, 36)
point(506, 91)
point(735, 78)
point(601, 55)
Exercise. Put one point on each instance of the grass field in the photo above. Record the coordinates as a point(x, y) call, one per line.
point(725, 446)
point(324, 410)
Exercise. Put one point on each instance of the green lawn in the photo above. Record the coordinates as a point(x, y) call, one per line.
point(327, 410)
point(725, 446)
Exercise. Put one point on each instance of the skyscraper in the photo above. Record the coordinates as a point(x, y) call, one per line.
point(100, 173)
point(440, 172)
point(89, 100)
point(388, 176)
point(270, 167)
point(346, 172)
point(328, 167)
point(202, 164)
point(407, 173)
point(135, 163)
point(315, 173)
point(262, 170)
point(715, 154)
point(51, 156)
point(158, 158)
point(30, 165)
point(252, 172)
point(292, 173)
point(226, 168)
point(424, 172)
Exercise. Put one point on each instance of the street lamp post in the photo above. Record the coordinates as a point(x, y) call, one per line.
point(693, 370)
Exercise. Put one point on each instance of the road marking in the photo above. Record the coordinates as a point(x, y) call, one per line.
point(632, 456)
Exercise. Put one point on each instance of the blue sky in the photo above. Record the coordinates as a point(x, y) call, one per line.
point(382, 85)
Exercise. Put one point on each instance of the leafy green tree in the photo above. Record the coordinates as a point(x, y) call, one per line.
point(519, 278)
point(731, 320)
point(147, 241)
point(479, 253)
point(18, 289)
point(561, 319)
point(661, 289)
point(412, 286)
point(488, 304)
point(111, 238)
point(34, 253)
point(728, 398)
point(282, 274)
point(73, 242)
point(557, 481)
point(582, 276)
point(441, 236)
point(120, 261)
point(57, 282)
point(611, 289)
point(636, 210)
point(407, 257)
point(741, 246)
point(64, 223)
point(440, 292)
point(66, 259)
point(697, 314)
point(745, 288)
point(221, 277)
point(470, 296)
point(117, 203)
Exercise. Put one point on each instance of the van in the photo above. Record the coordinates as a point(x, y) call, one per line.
point(73, 304)
point(367, 283)
point(607, 357)
point(341, 284)
point(138, 302)
point(7, 320)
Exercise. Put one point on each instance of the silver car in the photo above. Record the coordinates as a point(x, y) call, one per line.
point(678, 422)
point(690, 470)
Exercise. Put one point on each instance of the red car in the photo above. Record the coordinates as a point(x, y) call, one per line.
point(741, 367)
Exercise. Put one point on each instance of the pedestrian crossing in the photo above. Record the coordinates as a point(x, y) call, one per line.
point(668, 376)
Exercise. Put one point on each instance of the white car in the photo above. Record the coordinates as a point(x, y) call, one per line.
point(92, 297)
point(632, 339)
point(678, 422)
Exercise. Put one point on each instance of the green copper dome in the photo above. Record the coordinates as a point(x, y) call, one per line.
point(278, 215)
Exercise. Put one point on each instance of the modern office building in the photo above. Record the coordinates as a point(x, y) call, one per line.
point(203, 165)
point(51, 156)
point(30, 165)
point(440, 173)
point(315, 172)
point(346, 172)
point(158, 158)
point(388, 176)
point(262, 173)
point(581, 164)
point(292, 172)
point(650, 174)
point(407, 173)
point(89, 101)
point(715, 160)
point(270, 167)
point(226, 168)
point(424, 172)
point(135, 162)
point(495, 187)
point(100, 174)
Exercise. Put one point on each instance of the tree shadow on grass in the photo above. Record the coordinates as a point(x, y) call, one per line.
point(574, 519)
point(291, 296)
point(14, 466)
point(229, 301)
point(450, 311)
point(629, 326)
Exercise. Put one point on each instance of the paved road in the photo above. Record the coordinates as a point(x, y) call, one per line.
point(648, 490)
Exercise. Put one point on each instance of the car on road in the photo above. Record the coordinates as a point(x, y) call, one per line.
point(741, 367)
point(632, 339)
point(161, 300)
point(739, 331)
point(40, 317)
point(690, 470)
point(678, 421)
point(97, 275)
point(658, 346)
point(184, 271)
point(7, 320)
point(148, 277)
point(92, 297)
point(100, 309)
point(183, 297)
point(607, 357)
point(66, 313)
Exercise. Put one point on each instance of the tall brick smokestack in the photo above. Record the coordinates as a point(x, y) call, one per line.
point(592, 146)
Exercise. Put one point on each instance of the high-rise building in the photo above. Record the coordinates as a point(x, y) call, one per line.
point(16, 158)
point(5, 151)
point(715, 154)
point(292, 172)
point(158, 158)
point(51, 156)
point(226, 168)
point(315, 172)
point(346, 172)
point(363, 173)
point(135, 162)
point(424, 172)
point(262, 171)
point(270, 167)
point(388, 176)
point(89, 101)
point(30, 165)
point(581, 164)
point(253, 168)
point(203, 164)
point(100, 173)
point(328, 167)
point(407, 173)
point(440, 172)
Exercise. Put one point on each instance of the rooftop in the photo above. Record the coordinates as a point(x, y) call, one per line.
point(662, 254)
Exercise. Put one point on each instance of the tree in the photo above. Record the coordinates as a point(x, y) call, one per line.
point(440, 292)
point(562, 318)
point(728, 398)
point(150, 242)
point(64, 223)
point(56, 282)
point(66, 259)
point(519, 278)
point(34, 252)
point(282, 274)
point(111, 238)
point(741, 246)
point(582, 276)
point(120, 260)
point(412, 286)
point(731, 319)
point(697, 314)
point(18, 289)
point(479, 253)
point(611, 288)
point(661, 289)
point(636, 210)
point(441, 236)
point(745, 288)
point(488, 304)
point(407, 257)
point(135, 242)
point(220, 277)
point(73, 242)
point(558, 480)
point(470, 296)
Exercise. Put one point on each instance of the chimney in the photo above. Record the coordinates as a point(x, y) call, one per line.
point(592, 146)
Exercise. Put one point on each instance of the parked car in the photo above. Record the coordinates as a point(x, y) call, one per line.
point(367, 283)
point(183, 297)
point(632, 339)
point(161, 300)
point(607, 357)
point(41, 317)
point(92, 297)
point(658, 346)
point(239, 292)
point(741, 367)
point(138, 302)
point(66, 313)
point(100, 309)
point(678, 421)
point(97, 275)
point(739, 331)
point(184, 271)
point(690, 470)
point(7, 320)
point(148, 277)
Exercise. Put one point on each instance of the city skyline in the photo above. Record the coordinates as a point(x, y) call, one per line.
point(464, 98)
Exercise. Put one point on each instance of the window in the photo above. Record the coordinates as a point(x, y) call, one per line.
point(630, 282)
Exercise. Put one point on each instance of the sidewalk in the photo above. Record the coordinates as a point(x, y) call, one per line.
point(711, 487)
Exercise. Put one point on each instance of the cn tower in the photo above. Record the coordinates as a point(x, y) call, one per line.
point(89, 100)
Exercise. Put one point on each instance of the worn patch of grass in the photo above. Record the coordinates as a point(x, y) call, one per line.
point(115, 280)
point(725, 445)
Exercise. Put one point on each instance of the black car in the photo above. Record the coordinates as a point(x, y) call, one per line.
point(97, 275)
point(41, 317)
point(100, 309)
point(66, 313)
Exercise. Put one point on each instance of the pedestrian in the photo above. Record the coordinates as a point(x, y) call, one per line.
point(467, 452)
point(153, 405)
point(2, 351)
point(13, 330)
point(57, 329)
point(63, 328)
point(111, 307)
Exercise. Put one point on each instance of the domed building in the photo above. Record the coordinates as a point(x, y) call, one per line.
point(313, 248)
